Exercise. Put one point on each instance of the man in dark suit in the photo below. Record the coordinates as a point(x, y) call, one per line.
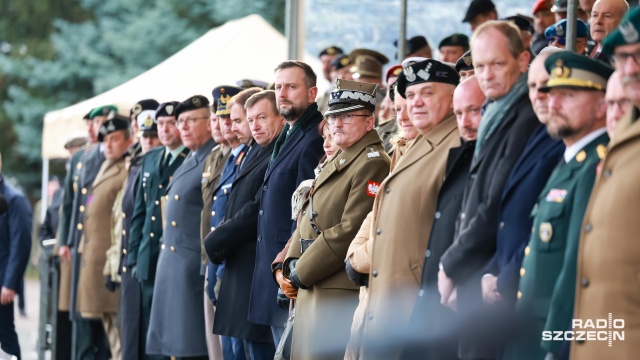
point(507, 123)
point(88, 337)
point(432, 330)
point(143, 248)
point(528, 177)
point(296, 154)
point(15, 246)
point(176, 327)
point(234, 241)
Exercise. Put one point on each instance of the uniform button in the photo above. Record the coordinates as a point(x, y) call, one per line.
point(374, 273)
point(124, 251)
point(162, 247)
point(428, 253)
point(173, 249)
point(215, 198)
point(176, 197)
point(587, 228)
point(584, 282)
point(462, 216)
point(264, 188)
point(153, 218)
point(522, 272)
point(438, 215)
point(124, 232)
point(151, 235)
point(213, 213)
point(259, 238)
point(370, 316)
point(213, 228)
point(378, 231)
point(84, 191)
point(124, 269)
point(607, 173)
point(224, 191)
point(124, 215)
point(527, 250)
point(261, 213)
point(166, 197)
point(501, 225)
point(160, 186)
point(304, 212)
point(157, 202)
point(519, 294)
point(421, 293)
point(174, 224)
point(388, 190)
point(81, 208)
point(79, 226)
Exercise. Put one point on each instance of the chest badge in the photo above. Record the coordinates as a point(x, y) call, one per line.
point(556, 195)
point(546, 232)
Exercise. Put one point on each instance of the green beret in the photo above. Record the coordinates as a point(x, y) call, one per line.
point(626, 33)
point(455, 40)
point(102, 111)
point(570, 70)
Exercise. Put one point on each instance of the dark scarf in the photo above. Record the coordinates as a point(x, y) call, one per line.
point(309, 117)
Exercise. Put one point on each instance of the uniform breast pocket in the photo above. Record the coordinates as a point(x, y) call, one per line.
point(551, 230)
point(192, 243)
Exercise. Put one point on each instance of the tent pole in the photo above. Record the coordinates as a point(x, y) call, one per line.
point(293, 28)
point(572, 21)
point(402, 34)
point(44, 204)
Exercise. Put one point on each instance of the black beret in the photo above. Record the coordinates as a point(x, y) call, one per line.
point(331, 50)
point(478, 7)
point(146, 104)
point(456, 39)
point(167, 109)
point(193, 103)
point(465, 62)
point(522, 22)
point(341, 61)
point(414, 44)
point(113, 124)
point(426, 71)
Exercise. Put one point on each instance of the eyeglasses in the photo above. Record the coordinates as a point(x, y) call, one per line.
point(344, 118)
point(189, 121)
point(621, 58)
point(621, 104)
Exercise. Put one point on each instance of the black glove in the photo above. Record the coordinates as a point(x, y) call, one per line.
point(357, 278)
point(283, 300)
point(110, 284)
point(293, 275)
point(134, 272)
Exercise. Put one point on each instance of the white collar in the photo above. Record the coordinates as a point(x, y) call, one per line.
point(572, 151)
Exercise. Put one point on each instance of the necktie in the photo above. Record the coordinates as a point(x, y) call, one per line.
point(167, 161)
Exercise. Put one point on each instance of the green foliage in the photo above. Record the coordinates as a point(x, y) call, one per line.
point(79, 48)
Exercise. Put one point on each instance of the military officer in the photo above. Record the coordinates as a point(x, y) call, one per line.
point(129, 311)
point(87, 335)
point(417, 46)
point(547, 278)
point(396, 270)
point(156, 169)
point(367, 65)
point(464, 65)
point(387, 126)
point(608, 250)
point(340, 198)
point(177, 322)
point(327, 57)
point(94, 300)
point(453, 47)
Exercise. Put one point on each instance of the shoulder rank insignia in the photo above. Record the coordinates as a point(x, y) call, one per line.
point(546, 232)
point(372, 153)
point(602, 151)
point(341, 162)
point(581, 156)
point(556, 195)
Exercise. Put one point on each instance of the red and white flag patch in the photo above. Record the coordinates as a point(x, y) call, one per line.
point(372, 188)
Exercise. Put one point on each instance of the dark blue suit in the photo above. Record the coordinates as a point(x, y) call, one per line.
point(521, 191)
point(15, 246)
point(294, 163)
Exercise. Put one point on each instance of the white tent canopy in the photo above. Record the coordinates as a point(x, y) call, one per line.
point(247, 48)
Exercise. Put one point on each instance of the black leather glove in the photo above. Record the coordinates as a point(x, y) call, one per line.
point(283, 300)
point(134, 272)
point(357, 278)
point(293, 275)
point(110, 284)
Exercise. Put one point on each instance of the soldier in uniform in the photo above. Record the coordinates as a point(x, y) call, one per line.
point(396, 270)
point(88, 338)
point(547, 276)
point(94, 300)
point(339, 200)
point(328, 56)
point(156, 168)
point(129, 311)
point(177, 322)
point(464, 65)
point(608, 249)
point(416, 46)
point(387, 126)
point(367, 66)
point(453, 47)
point(479, 12)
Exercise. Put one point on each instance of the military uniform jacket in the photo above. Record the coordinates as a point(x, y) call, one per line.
point(403, 215)
point(15, 237)
point(127, 207)
point(342, 196)
point(387, 130)
point(177, 315)
point(69, 186)
point(607, 271)
point(296, 161)
point(548, 273)
point(234, 242)
point(212, 170)
point(146, 223)
point(93, 296)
